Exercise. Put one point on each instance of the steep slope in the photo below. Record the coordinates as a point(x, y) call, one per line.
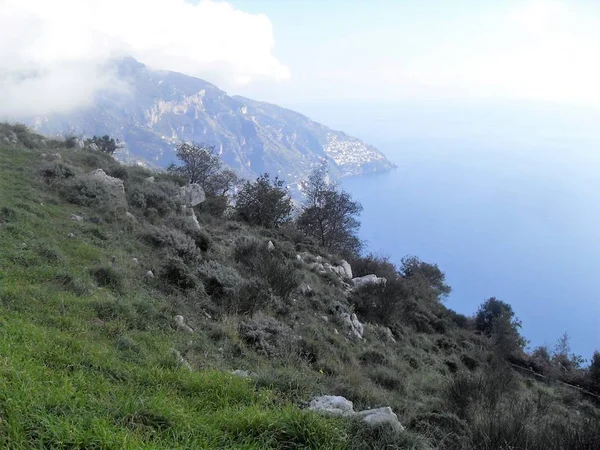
point(163, 108)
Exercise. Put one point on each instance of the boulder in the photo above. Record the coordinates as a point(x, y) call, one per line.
point(244, 374)
point(306, 290)
point(149, 180)
point(181, 360)
point(76, 218)
point(351, 322)
point(94, 147)
point(135, 260)
point(149, 275)
point(79, 144)
point(332, 404)
point(380, 416)
point(180, 323)
point(192, 194)
point(114, 185)
point(367, 280)
point(347, 269)
point(194, 220)
point(339, 406)
point(130, 216)
point(270, 246)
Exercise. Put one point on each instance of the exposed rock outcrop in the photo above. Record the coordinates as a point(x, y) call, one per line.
point(114, 186)
point(366, 280)
point(192, 194)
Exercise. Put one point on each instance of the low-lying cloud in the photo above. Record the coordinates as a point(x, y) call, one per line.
point(53, 54)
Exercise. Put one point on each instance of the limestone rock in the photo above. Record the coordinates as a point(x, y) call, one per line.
point(181, 360)
point(381, 416)
point(135, 260)
point(355, 328)
point(367, 280)
point(332, 404)
point(76, 218)
point(192, 195)
point(130, 216)
point(94, 147)
point(149, 275)
point(244, 374)
point(180, 323)
point(347, 269)
point(114, 185)
point(270, 246)
point(149, 180)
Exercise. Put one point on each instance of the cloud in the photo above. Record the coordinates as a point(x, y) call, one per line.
point(53, 53)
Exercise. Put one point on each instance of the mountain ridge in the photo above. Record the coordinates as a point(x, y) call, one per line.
point(162, 108)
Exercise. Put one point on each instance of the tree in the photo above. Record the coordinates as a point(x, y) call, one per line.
point(497, 320)
point(561, 357)
point(105, 144)
point(426, 281)
point(264, 202)
point(329, 214)
point(199, 163)
point(594, 370)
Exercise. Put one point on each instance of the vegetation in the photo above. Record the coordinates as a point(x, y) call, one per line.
point(105, 143)
point(91, 355)
point(264, 202)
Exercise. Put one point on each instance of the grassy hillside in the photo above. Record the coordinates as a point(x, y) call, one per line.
point(91, 356)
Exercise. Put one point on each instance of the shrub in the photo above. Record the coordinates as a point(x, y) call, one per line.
point(175, 272)
point(85, 191)
point(57, 171)
point(105, 143)
point(174, 241)
point(159, 196)
point(270, 337)
point(106, 276)
point(186, 225)
point(280, 273)
point(264, 202)
point(7, 214)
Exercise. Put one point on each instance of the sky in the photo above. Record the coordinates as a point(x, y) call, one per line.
point(295, 51)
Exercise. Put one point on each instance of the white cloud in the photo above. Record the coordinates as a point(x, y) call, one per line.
point(52, 53)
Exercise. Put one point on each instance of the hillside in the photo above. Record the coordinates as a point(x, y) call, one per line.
point(160, 109)
point(122, 324)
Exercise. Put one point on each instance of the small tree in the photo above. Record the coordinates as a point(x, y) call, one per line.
point(264, 202)
point(426, 281)
point(329, 214)
point(595, 370)
point(105, 144)
point(497, 319)
point(199, 163)
point(562, 358)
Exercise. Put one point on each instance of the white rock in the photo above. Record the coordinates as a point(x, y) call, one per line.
point(149, 274)
point(195, 220)
point(347, 269)
point(70, 235)
point(94, 148)
point(380, 416)
point(192, 194)
point(115, 185)
point(180, 322)
point(332, 404)
point(135, 260)
point(367, 280)
point(149, 180)
point(244, 374)
point(355, 328)
point(130, 216)
point(76, 218)
point(181, 360)
point(270, 246)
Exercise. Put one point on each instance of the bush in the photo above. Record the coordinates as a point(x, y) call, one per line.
point(107, 276)
point(57, 171)
point(159, 196)
point(7, 215)
point(174, 241)
point(175, 272)
point(280, 273)
point(264, 202)
point(85, 191)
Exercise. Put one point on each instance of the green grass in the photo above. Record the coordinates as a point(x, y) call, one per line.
point(86, 365)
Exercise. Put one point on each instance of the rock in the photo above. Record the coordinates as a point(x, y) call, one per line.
point(6, 139)
point(339, 406)
point(180, 323)
point(12, 136)
point(149, 180)
point(347, 269)
point(43, 143)
point(388, 335)
point(192, 195)
point(332, 404)
point(57, 156)
point(94, 147)
point(44, 155)
point(381, 416)
point(149, 274)
point(79, 144)
point(181, 360)
point(270, 246)
point(76, 218)
point(70, 235)
point(367, 280)
point(244, 374)
point(355, 328)
point(195, 220)
point(325, 318)
point(114, 185)
point(306, 290)
point(130, 216)
point(135, 260)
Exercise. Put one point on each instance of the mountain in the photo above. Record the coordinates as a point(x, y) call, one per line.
point(163, 108)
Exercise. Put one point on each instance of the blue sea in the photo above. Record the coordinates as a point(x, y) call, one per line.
point(505, 201)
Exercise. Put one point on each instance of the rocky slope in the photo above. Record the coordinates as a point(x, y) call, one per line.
point(164, 108)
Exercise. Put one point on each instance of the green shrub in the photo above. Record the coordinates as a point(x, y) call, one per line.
point(175, 272)
point(161, 197)
point(84, 191)
point(106, 276)
point(7, 215)
point(53, 171)
point(174, 241)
